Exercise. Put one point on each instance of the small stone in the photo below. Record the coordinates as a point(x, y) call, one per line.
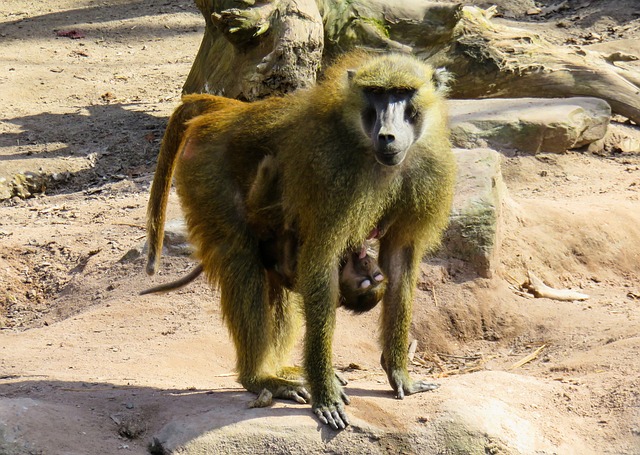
point(131, 255)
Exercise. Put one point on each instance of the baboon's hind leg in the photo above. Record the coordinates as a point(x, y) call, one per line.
point(286, 323)
point(258, 338)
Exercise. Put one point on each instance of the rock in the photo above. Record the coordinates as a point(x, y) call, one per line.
point(529, 125)
point(620, 138)
point(5, 189)
point(479, 413)
point(131, 255)
point(19, 178)
point(13, 414)
point(473, 232)
point(622, 46)
point(492, 412)
point(509, 8)
point(492, 421)
point(23, 185)
point(175, 239)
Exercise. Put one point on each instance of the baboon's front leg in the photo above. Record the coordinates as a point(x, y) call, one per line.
point(318, 284)
point(400, 264)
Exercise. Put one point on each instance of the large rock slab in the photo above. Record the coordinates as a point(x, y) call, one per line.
point(529, 125)
point(473, 232)
point(479, 413)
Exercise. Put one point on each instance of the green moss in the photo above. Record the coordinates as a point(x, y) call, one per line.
point(380, 26)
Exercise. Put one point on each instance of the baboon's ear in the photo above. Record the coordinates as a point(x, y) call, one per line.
point(351, 74)
point(442, 80)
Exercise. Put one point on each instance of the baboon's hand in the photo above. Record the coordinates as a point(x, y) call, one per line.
point(332, 415)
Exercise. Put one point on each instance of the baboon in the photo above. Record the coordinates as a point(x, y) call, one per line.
point(368, 143)
point(278, 242)
point(362, 284)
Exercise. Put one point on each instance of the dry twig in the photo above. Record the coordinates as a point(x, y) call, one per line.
point(527, 358)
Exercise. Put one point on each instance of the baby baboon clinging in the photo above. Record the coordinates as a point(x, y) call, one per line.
point(278, 242)
point(367, 144)
point(362, 284)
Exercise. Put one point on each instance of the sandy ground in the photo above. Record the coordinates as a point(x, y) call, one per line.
point(76, 336)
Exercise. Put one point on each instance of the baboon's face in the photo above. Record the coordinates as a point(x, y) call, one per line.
point(392, 122)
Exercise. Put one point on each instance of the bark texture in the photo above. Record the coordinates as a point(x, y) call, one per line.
point(253, 49)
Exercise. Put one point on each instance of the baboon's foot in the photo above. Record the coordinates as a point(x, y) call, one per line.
point(401, 382)
point(264, 400)
point(271, 387)
point(404, 385)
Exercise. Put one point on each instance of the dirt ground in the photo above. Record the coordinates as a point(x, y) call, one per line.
point(91, 107)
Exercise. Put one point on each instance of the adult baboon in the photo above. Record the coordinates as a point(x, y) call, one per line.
point(369, 143)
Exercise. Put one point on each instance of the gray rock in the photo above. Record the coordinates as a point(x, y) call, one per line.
point(5, 189)
point(481, 413)
point(175, 239)
point(508, 8)
point(529, 125)
point(472, 235)
point(131, 255)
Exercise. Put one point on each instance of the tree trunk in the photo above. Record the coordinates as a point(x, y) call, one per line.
point(266, 48)
point(276, 46)
point(492, 61)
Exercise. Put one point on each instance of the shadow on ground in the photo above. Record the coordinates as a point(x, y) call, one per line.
point(118, 141)
point(100, 17)
point(115, 415)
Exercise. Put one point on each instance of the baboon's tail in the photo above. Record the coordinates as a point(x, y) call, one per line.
point(192, 106)
point(177, 284)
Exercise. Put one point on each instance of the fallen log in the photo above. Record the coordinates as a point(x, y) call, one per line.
point(254, 49)
point(535, 286)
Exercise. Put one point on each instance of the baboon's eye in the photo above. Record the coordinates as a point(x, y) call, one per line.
point(412, 115)
point(368, 117)
point(403, 92)
point(373, 90)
